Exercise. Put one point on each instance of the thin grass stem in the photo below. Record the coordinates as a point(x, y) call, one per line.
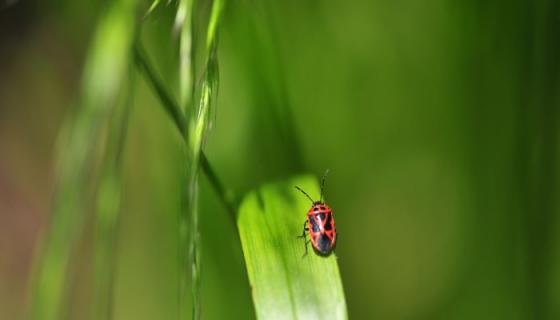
point(193, 131)
point(199, 123)
point(184, 20)
point(141, 59)
point(172, 108)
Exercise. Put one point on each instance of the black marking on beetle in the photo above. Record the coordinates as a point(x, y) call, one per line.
point(324, 243)
point(328, 225)
point(314, 225)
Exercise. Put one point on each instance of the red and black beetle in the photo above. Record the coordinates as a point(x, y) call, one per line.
point(320, 224)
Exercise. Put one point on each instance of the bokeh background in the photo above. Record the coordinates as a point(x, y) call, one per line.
point(438, 119)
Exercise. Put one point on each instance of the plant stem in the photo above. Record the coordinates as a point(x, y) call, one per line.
point(193, 131)
point(197, 128)
point(227, 198)
point(178, 119)
point(185, 21)
point(141, 59)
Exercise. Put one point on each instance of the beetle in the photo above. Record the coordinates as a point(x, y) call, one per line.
point(319, 224)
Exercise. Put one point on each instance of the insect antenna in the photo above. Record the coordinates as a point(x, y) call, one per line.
point(323, 184)
point(305, 193)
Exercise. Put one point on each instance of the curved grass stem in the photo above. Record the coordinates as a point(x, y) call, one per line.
point(225, 195)
point(193, 129)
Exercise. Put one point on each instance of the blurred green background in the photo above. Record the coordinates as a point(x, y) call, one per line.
point(438, 119)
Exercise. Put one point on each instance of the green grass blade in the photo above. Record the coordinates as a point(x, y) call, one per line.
point(154, 5)
point(184, 21)
point(284, 284)
point(176, 115)
point(106, 66)
point(108, 207)
point(197, 129)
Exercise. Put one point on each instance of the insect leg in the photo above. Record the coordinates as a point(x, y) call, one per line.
point(304, 236)
point(306, 243)
point(304, 229)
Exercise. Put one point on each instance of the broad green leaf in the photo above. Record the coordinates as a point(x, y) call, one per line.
point(286, 285)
